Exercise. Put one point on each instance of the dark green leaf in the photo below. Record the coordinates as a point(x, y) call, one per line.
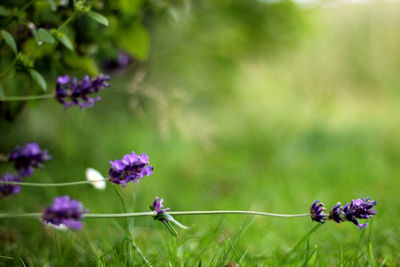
point(38, 78)
point(4, 12)
point(63, 38)
point(98, 17)
point(45, 36)
point(10, 41)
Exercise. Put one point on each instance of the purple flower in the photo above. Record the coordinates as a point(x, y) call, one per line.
point(78, 92)
point(130, 168)
point(357, 209)
point(337, 213)
point(317, 212)
point(28, 157)
point(158, 207)
point(8, 189)
point(64, 212)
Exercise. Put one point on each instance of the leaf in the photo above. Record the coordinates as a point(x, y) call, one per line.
point(10, 41)
point(4, 11)
point(98, 17)
point(63, 38)
point(45, 36)
point(135, 40)
point(38, 78)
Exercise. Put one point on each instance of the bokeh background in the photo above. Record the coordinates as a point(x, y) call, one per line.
point(240, 105)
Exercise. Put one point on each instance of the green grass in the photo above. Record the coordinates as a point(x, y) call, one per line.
point(319, 121)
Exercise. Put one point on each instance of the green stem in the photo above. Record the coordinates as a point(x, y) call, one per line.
point(24, 98)
point(51, 184)
point(153, 213)
point(21, 215)
point(195, 212)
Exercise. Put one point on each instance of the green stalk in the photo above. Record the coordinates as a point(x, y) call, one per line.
point(24, 98)
point(51, 184)
point(154, 213)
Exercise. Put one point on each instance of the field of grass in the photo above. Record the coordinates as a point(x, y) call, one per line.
point(318, 120)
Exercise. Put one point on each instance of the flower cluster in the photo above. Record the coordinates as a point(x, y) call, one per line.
point(28, 157)
point(78, 92)
point(130, 169)
point(8, 189)
point(64, 212)
point(357, 209)
point(317, 212)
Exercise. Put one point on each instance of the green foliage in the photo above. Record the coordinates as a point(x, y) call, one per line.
point(98, 17)
point(45, 36)
point(38, 78)
point(10, 41)
point(59, 37)
point(235, 112)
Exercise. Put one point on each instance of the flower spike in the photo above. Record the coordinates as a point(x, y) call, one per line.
point(28, 157)
point(64, 212)
point(130, 169)
point(8, 189)
point(78, 92)
point(317, 212)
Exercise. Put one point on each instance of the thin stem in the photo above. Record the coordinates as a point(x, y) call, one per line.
point(51, 184)
point(24, 98)
point(259, 213)
point(195, 212)
point(153, 213)
point(21, 215)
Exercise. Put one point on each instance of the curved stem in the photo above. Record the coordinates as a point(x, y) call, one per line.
point(28, 97)
point(51, 184)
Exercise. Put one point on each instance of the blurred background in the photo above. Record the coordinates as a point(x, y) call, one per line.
point(261, 105)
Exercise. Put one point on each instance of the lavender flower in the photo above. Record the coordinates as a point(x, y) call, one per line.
point(8, 189)
point(158, 206)
point(78, 92)
point(357, 209)
point(64, 212)
point(337, 213)
point(317, 212)
point(130, 168)
point(27, 158)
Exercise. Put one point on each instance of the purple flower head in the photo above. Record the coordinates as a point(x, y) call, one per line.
point(8, 189)
point(317, 212)
point(158, 207)
point(64, 212)
point(130, 168)
point(28, 157)
point(78, 92)
point(359, 209)
point(337, 213)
